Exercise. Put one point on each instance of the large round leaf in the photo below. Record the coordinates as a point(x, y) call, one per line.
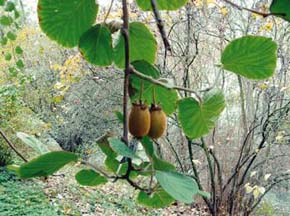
point(96, 45)
point(180, 187)
point(46, 164)
point(162, 4)
point(121, 148)
point(158, 199)
point(33, 142)
point(253, 57)
point(167, 98)
point(66, 20)
point(88, 177)
point(143, 45)
point(197, 118)
point(281, 8)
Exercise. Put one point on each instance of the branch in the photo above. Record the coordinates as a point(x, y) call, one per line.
point(160, 25)
point(109, 11)
point(127, 71)
point(175, 153)
point(264, 15)
point(125, 32)
point(98, 169)
point(211, 172)
point(157, 82)
point(12, 146)
point(196, 175)
point(267, 190)
point(219, 170)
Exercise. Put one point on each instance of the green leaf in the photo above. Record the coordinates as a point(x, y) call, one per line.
point(4, 41)
point(204, 194)
point(148, 146)
point(66, 20)
point(11, 36)
point(32, 142)
point(158, 199)
point(198, 119)
point(6, 20)
point(96, 46)
point(253, 57)
point(13, 168)
point(143, 45)
point(119, 116)
point(88, 177)
point(159, 164)
point(20, 64)
point(16, 14)
point(114, 166)
point(281, 8)
point(2, 2)
point(180, 187)
point(106, 148)
point(144, 169)
point(119, 147)
point(46, 164)
point(162, 4)
point(18, 50)
point(10, 6)
point(13, 71)
point(167, 98)
point(8, 57)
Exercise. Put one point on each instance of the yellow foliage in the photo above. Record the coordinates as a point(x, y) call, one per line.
point(256, 16)
point(115, 14)
point(263, 86)
point(209, 3)
point(69, 73)
point(267, 26)
point(224, 10)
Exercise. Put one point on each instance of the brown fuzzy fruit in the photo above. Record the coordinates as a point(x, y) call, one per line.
point(158, 122)
point(139, 120)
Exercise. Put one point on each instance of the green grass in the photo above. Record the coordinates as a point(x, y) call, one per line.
point(22, 197)
point(27, 198)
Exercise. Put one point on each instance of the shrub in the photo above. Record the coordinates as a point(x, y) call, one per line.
point(5, 155)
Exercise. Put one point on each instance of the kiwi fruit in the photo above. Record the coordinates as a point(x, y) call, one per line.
point(139, 120)
point(158, 122)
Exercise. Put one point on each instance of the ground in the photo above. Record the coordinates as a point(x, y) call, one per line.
point(61, 195)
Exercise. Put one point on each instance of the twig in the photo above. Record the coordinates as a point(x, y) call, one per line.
point(196, 175)
point(212, 177)
point(12, 146)
point(157, 82)
point(109, 11)
point(263, 195)
point(264, 15)
point(160, 25)
point(98, 169)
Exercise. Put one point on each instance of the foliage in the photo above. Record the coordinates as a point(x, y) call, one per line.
point(198, 118)
point(17, 199)
point(90, 178)
point(252, 57)
point(265, 209)
point(46, 164)
point(5, 155)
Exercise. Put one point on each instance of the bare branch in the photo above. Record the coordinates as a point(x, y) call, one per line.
point(12, 146)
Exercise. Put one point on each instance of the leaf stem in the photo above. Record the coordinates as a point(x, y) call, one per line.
point(141, 91)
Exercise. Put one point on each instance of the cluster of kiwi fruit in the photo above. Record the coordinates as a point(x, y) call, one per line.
point(147, 122)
